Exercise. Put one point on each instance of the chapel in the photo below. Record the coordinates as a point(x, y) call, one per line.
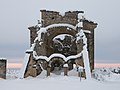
point(59, 43)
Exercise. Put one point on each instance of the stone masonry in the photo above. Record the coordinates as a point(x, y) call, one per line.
point(49, 46)
point(3, 68)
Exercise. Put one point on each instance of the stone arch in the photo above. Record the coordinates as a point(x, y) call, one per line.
point(61, 25)
point(56, 62)
point(61, 29)
point(53, 31)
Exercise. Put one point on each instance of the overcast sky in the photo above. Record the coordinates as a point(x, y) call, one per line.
point(17, 15)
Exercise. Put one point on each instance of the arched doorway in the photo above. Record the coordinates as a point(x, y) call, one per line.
point(56, 64)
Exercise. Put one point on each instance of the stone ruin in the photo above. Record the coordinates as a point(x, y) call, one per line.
point(3, 68)
point(55, 43)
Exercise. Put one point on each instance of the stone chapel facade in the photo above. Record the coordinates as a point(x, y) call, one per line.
point(49, 42)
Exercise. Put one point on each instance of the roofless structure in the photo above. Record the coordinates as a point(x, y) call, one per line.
point(58, 42)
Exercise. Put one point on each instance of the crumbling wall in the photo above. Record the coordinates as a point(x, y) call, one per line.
point(71, 18)
point(53, 17)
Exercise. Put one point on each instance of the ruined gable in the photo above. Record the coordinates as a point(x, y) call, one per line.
point(43, 45)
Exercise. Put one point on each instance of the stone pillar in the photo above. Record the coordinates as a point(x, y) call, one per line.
point(65, 69)
point(80, 71)
point(48, 70)
point(33, 34)
point(3, 64)
point(90, 38)
point(79, 74)
point(79, 46)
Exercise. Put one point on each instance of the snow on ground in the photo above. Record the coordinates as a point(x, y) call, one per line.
point(107, 74)
point(59, 82)
point(12, 73)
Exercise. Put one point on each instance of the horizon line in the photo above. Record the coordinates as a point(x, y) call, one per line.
point(96, 65)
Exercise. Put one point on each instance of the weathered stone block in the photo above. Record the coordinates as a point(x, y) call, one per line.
point(3, 68)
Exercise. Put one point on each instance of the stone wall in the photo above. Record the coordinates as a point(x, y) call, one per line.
point(3, 63)
point(53, 17)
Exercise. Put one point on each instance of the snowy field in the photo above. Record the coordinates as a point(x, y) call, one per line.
point(102, 79)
